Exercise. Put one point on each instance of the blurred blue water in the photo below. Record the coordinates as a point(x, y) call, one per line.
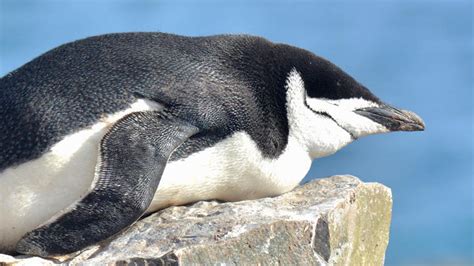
point(413, 54)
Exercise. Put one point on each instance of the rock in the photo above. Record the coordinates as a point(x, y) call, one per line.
point(338, 221)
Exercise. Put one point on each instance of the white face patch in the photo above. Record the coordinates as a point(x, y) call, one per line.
point(342, 111)
point(320, 135)
point(324, 126)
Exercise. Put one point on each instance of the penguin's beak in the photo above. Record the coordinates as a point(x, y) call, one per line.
point(392, 118)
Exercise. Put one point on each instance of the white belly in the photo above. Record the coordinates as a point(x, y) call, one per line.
point(234, 169)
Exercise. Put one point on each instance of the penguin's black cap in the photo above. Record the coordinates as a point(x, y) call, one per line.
point(324, 79)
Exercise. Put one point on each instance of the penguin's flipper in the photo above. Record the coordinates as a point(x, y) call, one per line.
point(132, 157)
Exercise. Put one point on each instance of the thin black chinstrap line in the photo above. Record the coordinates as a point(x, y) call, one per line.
point(330, 117)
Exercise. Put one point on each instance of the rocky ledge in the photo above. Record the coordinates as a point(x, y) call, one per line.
point(337, 221)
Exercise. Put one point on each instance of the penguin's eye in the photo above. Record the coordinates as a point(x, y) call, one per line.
point(340, 105)
point(316, 110)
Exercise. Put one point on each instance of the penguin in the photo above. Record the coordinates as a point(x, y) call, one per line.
point(98, 132)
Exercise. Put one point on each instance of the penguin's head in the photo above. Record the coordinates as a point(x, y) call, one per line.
point(327, 109)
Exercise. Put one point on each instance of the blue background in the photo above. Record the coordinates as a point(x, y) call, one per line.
point(413, 54)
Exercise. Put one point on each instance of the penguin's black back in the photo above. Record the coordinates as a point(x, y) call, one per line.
point(222, 84)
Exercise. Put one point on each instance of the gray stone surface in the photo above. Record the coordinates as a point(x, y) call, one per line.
point(337, 221)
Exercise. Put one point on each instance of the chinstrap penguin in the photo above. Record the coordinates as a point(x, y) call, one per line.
point(97, 132)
